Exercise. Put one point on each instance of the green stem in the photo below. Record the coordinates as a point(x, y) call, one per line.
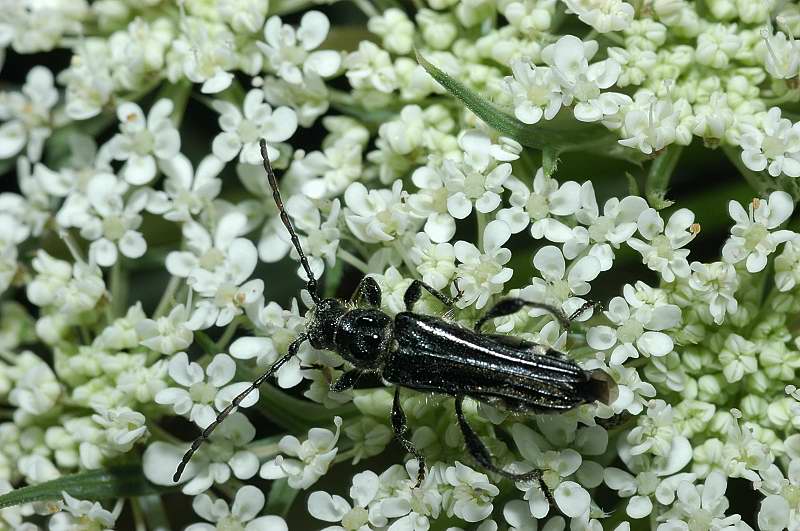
point(206, 343)
point(658, 177)
point(153, 509)
point(138, 516)
point(167, 297)
point(482, 220)
point(119, 290)
point(366, 7)
point(222, 344)
point(354, 261)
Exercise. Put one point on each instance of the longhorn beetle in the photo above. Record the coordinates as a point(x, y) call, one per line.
point(427, 353)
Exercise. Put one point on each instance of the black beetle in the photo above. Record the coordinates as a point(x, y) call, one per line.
point(428, 353)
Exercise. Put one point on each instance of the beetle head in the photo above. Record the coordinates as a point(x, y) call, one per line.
point(323, 323)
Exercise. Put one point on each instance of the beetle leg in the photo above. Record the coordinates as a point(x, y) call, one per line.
point(585, 306)
point(400, 427)
point(481, 454)
point(367, 290)
point(346, 381)
point(513, 305)
point(414, 292)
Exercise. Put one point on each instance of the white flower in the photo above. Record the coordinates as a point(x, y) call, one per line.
point(738, 357)
point(414, 507)
point(83, 515)
point(431, 202)
point(547, 199)
point(780, 54)
point(482, 275)
point(214, 462)
point(650, 123)
point(188, 192)
point(717, 283)
point(471, 495)
point(535, 91)
point(663, 253)
point(639, 488)
point(122, 427)
point(36, 389)
point(204, 52)
point(242, 130)
point(604, 16)
point(243, 514)
point(310, 459)
point(395, 29)
point(569, 60)
point(473, 183)
point(27, 115)
point(774, 146)
point(787, 266)
point(702, 506)
point(751, 239)
point(323, 506)
point(377, 215)
point(321, 239)
point(638, 331)
point(717, 44)
point(141, 141)
point(218, 269)
point(167, 334)
point(434, 261)
point(88, 79)
point(202, 388)
point(558, 285)
point(616, 225)
point(107, 218)
point(288, 50)
point(370, 67)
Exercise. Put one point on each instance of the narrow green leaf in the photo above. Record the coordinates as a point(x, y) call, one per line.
point(557, 136)
point(116, 482)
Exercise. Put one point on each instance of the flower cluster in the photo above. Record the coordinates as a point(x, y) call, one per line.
point(147, 276)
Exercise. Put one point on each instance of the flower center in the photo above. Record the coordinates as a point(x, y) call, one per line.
point(355, 518)
point(248, 131)
point(211, 259)
point(474, 184)
point(113, 228)
point(754, 235)
point(538, 207)
point(202, 392)
point(630, 331)
point(773, 146)
point(229, 523)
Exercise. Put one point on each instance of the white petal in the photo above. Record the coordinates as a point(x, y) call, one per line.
point(324, 62)
point(495, 234)
point(550, 262)
point(639, 507)
point(132, 244)
point(12, 139)
point(441, 227)
point(139, 169)
point(655, 343)
point(572, 499)
point(221, 370)
point(313, 29)
point(104, 252)
point(459, 206)
point(226, 146)
point(247, 503)
point(601, 337)
point(323, 506)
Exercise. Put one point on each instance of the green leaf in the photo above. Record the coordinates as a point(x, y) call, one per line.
point(116, 482)
point(556, 136)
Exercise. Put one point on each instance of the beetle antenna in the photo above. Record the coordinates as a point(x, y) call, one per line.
point(206, 433)
point(311, 284)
